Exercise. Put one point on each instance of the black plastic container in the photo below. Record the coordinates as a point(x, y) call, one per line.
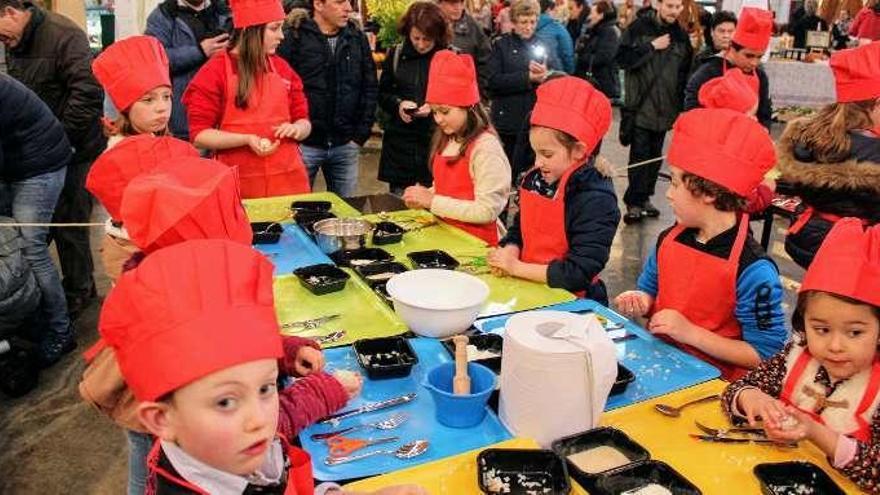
point(266, 232)
point(387, 233)
point(307, 219)
point(313, 206)
point(322, 279)
point(379, 269)
point(643, 473)
point(624, 378)
point(387, 357)
point(597, 437)
point(382, 292)
point(483, 342)
point(434, 258)
point(795, 477)
point(360, 257)
point(521, 472)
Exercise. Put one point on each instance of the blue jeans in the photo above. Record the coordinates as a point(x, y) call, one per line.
point(139, 445)
point(339, 165)
point(33, 201)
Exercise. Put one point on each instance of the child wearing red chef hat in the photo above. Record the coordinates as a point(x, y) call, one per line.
point(824, 386)
point(471, 172)
point(248, 106)
point(196, 335)
point(568, 209)
point(708, 286)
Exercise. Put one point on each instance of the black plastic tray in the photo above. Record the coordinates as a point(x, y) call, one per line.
point(386, 357)
point(519, 468)
point(624, 378)
point(322, 279)
point(308, 219)
point(387, 233)
point(795, 477)
point(483, 342)
point(379, 267)
point(266, 232)
point(360, 257)
point(434, 258)
point(597, 437)
point(303, 206)
point(639, 474)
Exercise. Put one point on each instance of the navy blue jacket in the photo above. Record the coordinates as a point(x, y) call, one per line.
point(32, 140)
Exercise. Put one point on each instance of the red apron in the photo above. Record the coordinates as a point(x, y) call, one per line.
point(804, 218)
point(754, 81)
point(703, 288)
point(280, 173)
point(863, 430)
point(452, 178)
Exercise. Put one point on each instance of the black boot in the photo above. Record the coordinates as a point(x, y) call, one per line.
point(649, 210)
point(633, 215)
point(56, 345)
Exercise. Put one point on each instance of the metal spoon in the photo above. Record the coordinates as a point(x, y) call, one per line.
point(674, 412)
point(720, 432)
point(405, 451)
point(388, 424)
point(331, 337)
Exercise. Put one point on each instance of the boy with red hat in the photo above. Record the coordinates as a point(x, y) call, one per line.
point(708, 287)
point(196, 335)
point(824, 387)
point(750, 42)
point(568, 213)
point(471, 172)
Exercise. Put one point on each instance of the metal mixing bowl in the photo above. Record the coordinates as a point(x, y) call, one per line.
point(333, 234)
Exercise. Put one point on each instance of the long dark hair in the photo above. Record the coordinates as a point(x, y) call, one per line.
point(251, 62)
point(477, 122)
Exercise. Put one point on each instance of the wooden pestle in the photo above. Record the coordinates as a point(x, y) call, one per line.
point(461, 384)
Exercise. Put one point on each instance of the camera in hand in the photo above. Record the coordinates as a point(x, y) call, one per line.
point(539, 54)
point(410, 110)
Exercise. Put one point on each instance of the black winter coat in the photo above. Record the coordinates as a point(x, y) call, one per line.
point(715, 67)
point(53, 59)
point(596, 51)
point(405, 147)
point(32, 140)
point(340, 86)
point(513, 94)
point(662, 73)
point(468, 37)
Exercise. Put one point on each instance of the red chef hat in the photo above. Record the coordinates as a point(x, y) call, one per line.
point(115, 168)
point(184, 199)
point(255, 12)
point(848, 263)
point(857, 73)
point(190, 310)
point(723, 146)
point(734, 90)
point(129, 68)
point(573, 106)
point(754, 28)
point(452, 80)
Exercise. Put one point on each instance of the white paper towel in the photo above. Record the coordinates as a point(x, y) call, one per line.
point(557, 372)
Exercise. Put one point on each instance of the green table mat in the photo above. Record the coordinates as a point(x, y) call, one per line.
point(277, 208)
point(363, 314)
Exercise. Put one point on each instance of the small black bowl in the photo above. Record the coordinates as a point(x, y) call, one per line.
point(521, 472)
point(643, 473)
point(387, 357)
point(266, 232)
point(483, 342)
point(322, 279)
point(597, 437)
point(375, 274)
point(307, 219)
point(434, 258)
point(624, 378)
point(360, 257)
point(387, 233)
point(795, 477)
point(313, 206)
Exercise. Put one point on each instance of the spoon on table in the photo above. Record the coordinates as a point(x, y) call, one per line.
point(405, 451)
point(674, 412)
point(388, 424)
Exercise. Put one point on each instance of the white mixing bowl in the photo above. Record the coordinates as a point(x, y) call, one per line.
point(437, 303)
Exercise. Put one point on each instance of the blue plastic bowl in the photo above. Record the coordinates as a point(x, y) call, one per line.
point(460, 411)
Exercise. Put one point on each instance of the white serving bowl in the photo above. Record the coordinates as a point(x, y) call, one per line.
point(437, 303)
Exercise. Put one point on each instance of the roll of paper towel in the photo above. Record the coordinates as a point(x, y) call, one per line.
point(557, 372)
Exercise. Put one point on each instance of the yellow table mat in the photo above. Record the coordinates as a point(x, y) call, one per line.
point(455, 475)
point(277, 208)
point(362, 313)
point(715, 468)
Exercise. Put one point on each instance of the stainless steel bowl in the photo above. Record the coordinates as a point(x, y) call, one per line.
point(333, 234)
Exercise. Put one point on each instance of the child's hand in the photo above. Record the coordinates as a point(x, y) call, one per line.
point(674, 325)
point(418, 196)
point(794, 426)
point(351, 381)
point(308, 360)
point(503, 259)
point(262, 146)
point(757, 404)
point(634, 303)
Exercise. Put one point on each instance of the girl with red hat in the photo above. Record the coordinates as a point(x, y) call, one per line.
point(248, 106)
point(568, 209)
point(471, 171)
point(824, 387)
point(832, 159)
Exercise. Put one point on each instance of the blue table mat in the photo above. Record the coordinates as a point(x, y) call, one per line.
point(294, 250)
point(444, 441)
point(659, 367)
